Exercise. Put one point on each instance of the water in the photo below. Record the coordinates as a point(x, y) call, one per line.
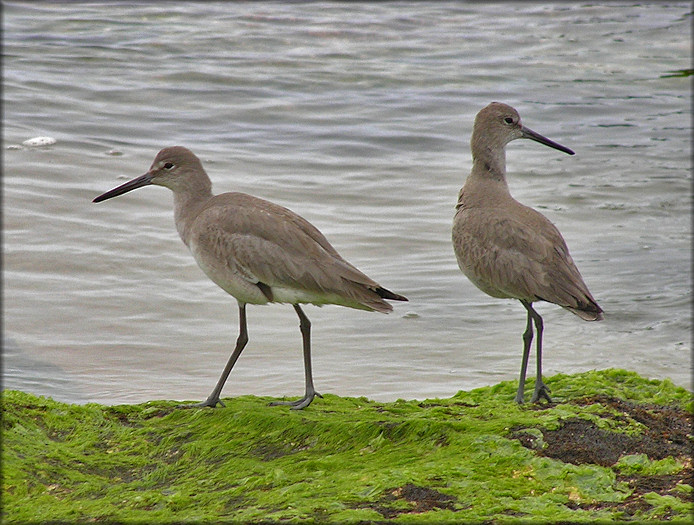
point(357, 117)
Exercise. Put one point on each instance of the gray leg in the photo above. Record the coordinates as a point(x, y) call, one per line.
point(213, 399)
point(527, 340)
point(305, 327)
point(541, 390)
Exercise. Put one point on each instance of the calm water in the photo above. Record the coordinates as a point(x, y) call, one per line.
point(358, 117)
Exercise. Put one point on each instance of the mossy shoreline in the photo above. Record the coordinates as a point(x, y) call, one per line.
point(613, 446)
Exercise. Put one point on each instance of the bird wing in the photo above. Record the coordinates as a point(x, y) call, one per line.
point(521, 255)
point(263, 242)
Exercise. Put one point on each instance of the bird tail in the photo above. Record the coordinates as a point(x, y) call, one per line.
point(372, 298)
point(588, 311)
point(387, 294)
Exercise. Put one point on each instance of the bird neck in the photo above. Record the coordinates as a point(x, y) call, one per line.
point(488, 161)
point(486, 185)
point(187, 204)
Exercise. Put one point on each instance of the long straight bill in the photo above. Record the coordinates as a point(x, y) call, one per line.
point(530, 134)
point(142, 180)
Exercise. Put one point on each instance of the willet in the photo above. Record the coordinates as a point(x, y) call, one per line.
point(509, 250)
point(258, 252)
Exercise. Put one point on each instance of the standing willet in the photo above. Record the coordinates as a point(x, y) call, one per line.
point(257, 251)
point(509, 250)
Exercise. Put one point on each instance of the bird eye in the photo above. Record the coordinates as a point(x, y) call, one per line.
point(168, 165)
point(508, 120)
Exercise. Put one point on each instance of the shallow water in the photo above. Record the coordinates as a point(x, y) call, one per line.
point(357, 117)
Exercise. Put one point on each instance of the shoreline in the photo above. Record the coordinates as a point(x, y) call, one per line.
point(613, 446)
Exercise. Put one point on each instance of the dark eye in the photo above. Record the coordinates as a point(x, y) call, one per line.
point(508, 120)
point(168, 165)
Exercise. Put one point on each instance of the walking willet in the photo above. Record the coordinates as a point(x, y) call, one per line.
point(509, 250)
point(258, 252)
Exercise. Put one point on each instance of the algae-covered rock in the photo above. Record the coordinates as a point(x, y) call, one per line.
point(613, 446)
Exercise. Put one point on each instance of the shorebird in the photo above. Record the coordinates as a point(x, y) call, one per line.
point(509, 250)
point(258, 252)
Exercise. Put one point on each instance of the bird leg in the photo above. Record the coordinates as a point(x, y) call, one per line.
point(305, 327)
point(541, 390)
point(527, 340)
point(213, 399)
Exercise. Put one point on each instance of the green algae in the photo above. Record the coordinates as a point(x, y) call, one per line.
point(641, 464)
point(678, 73)
point(341, 460)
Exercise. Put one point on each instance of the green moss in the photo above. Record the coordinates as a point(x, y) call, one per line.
point(341, 460)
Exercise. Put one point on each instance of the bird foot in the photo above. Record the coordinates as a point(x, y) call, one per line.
point(541, 392)
point(211, 402)
point(299, 404)
point(520, 392)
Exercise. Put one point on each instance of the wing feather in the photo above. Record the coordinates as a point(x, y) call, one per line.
point(262, 242)
point(518, 254)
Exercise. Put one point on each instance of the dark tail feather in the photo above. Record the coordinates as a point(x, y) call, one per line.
point(588, 311)
point(387, 294)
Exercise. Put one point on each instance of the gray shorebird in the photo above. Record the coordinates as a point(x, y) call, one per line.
point(509, 250)
point(258, 252)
